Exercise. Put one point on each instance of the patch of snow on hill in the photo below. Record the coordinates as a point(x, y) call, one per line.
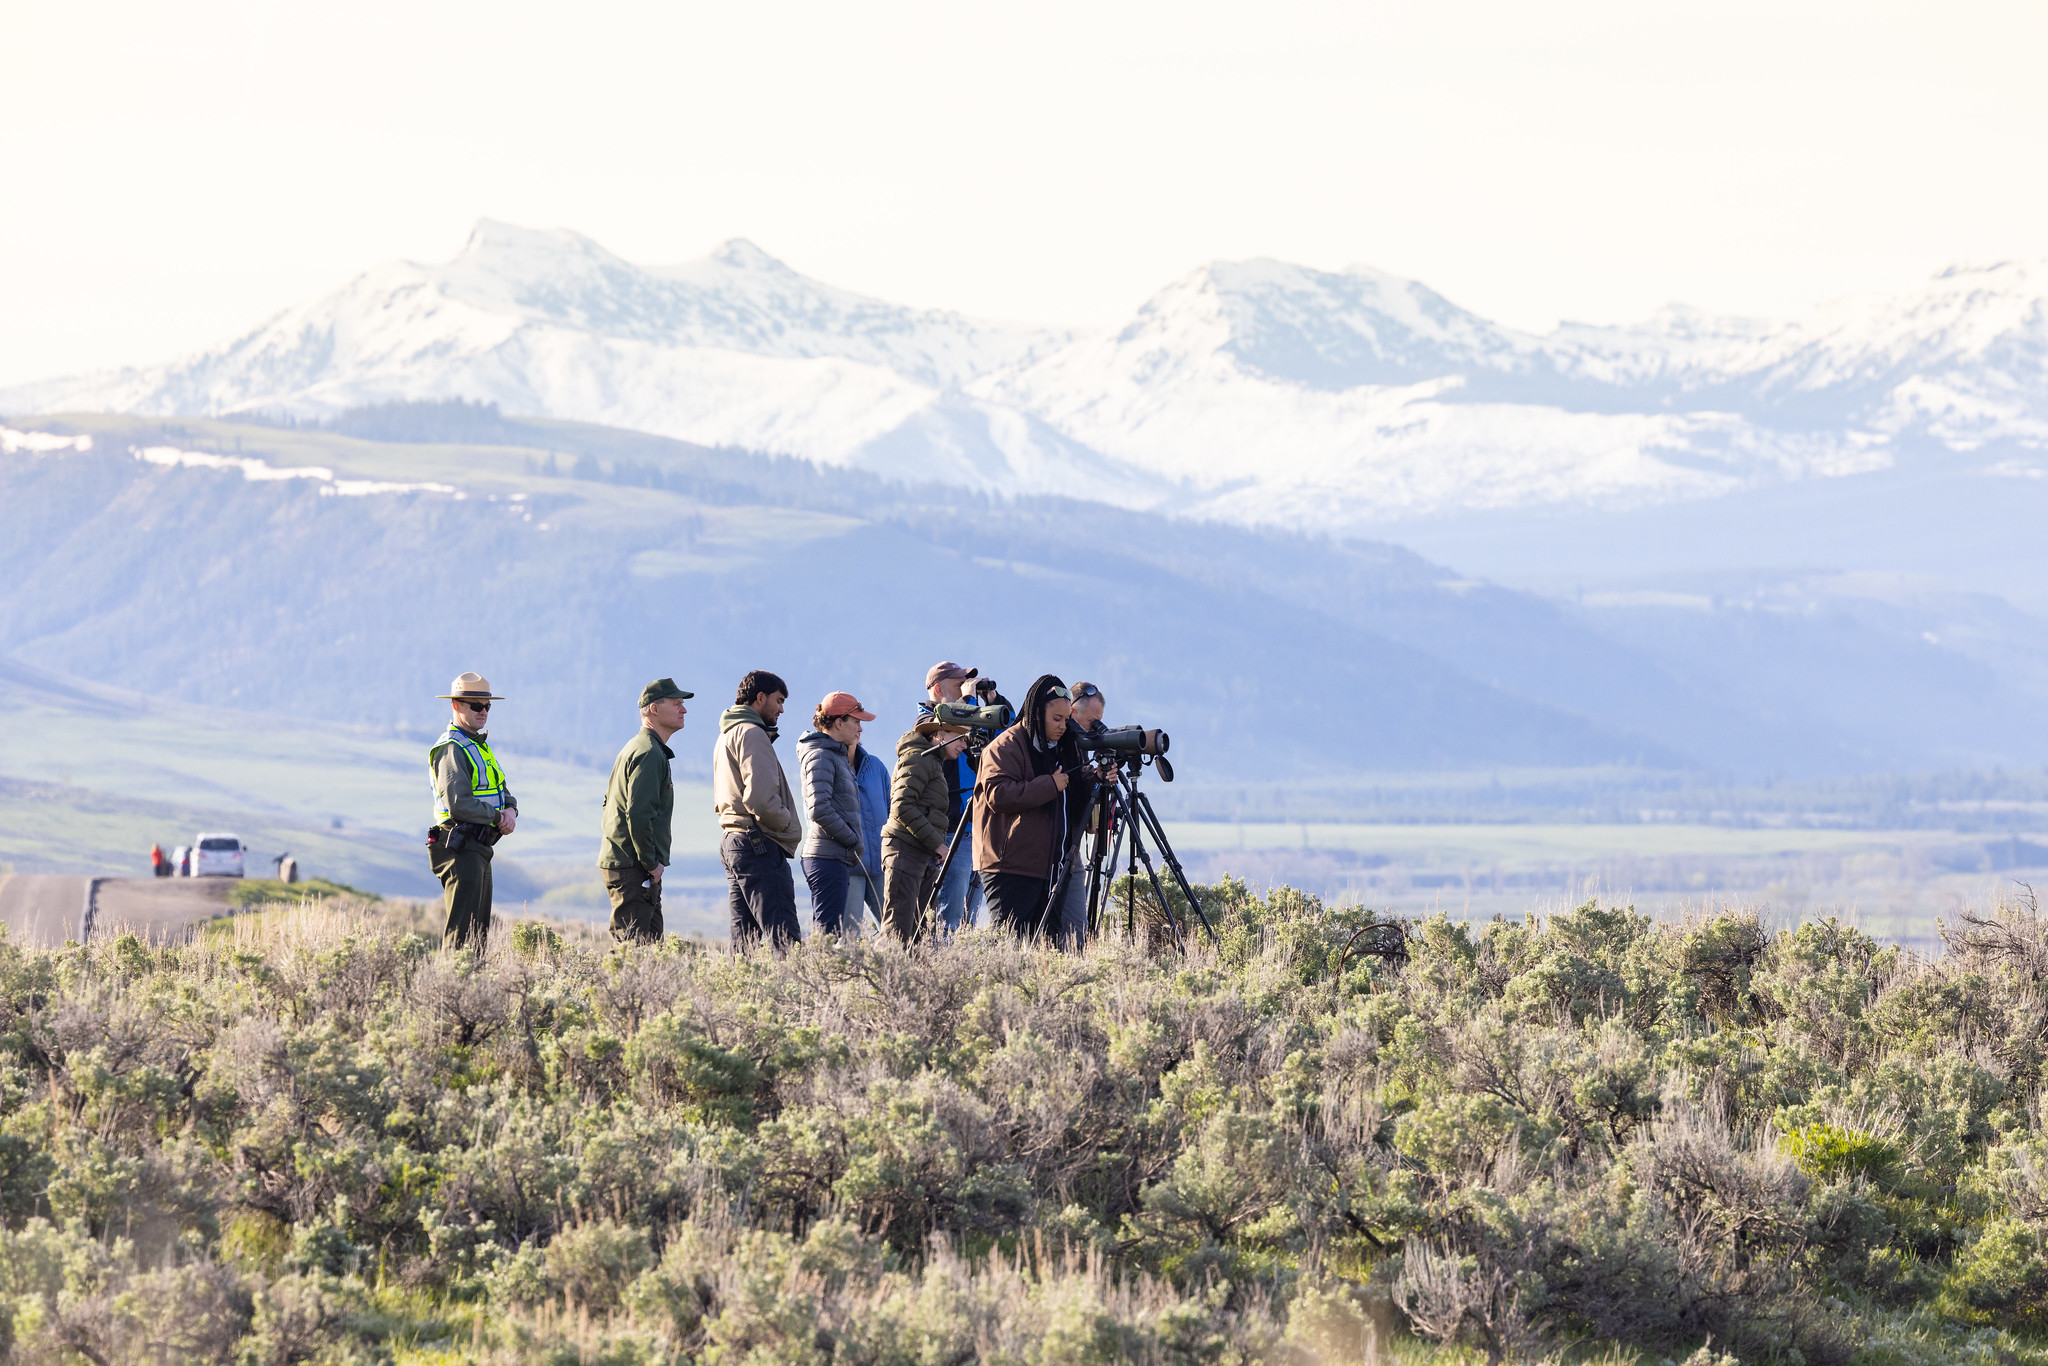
point(40, 442)
point(260, 471)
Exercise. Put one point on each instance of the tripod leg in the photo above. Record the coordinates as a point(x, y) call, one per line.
point(1101, 859)
point(1098, 845)
point(1106, 872)
point(928, 915)
point(1151, 820)
point(1131, 796)
point(1180, 940)
point(1131, 885)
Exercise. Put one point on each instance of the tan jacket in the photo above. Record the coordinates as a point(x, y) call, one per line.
point(749, 790)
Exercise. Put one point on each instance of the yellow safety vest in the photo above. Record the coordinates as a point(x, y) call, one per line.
point(487, 779)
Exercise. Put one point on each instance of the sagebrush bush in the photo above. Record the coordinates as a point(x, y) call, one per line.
point(316, 1136)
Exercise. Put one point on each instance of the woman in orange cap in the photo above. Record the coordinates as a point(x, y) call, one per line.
point(833, 838)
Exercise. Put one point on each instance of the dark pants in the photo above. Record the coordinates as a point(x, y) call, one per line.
point(636, 910)
point(1016, 902)
point(1068, 921)
point(763, 892)
point(910, 874)
point(829, 880)
point(465, 891)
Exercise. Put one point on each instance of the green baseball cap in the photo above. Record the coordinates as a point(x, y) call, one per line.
point(659, 689)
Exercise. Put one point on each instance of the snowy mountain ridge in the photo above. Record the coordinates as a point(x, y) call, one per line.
point(1251, 391)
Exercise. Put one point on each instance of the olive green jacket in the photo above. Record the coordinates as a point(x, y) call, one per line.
point(918, 794)
point(638, 805)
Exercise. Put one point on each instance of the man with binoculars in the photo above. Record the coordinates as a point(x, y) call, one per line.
point(1067, 922)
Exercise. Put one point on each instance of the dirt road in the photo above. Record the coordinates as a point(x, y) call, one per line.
point(41, 910)
point(159, 909)
point(47, 910)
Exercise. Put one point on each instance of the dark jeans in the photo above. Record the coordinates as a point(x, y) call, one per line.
point(1016, 902)
point(829, 880)
point(465, 891)
point(636, 910)
point(763, 892)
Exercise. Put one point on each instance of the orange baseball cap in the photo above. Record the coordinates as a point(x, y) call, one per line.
point(844, 704)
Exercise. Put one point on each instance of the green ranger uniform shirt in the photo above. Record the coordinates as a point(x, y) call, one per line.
point(638, 804)
point(468, 784)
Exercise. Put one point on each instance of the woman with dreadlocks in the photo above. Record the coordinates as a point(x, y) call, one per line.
point(1032, 784)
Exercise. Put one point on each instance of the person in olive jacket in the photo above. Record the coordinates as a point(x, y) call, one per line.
point(914, 840)
point(639, 805)
point(1033, 783)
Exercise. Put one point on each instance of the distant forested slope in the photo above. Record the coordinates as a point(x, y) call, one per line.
point(277, 569)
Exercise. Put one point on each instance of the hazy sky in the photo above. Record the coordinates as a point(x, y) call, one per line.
point(174, 173)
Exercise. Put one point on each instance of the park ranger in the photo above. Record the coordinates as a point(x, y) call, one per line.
point(473, 810)
point(639, 804)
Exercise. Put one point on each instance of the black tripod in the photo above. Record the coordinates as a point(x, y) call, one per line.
point(1122, 814)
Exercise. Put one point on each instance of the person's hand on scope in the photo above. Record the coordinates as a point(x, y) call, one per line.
point(1059, 779)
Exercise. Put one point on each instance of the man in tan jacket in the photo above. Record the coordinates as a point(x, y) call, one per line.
point(757, 814)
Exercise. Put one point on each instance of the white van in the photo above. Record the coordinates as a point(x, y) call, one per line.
point(217, 855)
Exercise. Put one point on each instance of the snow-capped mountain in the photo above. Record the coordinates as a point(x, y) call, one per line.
point(736, 349)
point(1251, 391)
point(1285, 395)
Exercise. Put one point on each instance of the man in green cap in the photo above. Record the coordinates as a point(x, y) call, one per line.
point(638, 804)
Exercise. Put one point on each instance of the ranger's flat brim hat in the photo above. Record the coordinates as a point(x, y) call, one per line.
point(661, 689)
point(470, 688)
point(932, 726)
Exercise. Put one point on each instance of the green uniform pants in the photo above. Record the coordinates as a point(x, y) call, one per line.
point(910, 874)
point(636, 910)
point(465, 890)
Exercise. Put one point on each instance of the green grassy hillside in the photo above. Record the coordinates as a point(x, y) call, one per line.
point(312, 1136)
point(91, 775)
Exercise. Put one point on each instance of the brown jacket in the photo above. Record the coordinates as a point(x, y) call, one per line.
point(1018, 811)
point(748, 788)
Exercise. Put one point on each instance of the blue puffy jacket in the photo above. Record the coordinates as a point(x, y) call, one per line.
point(871, 777)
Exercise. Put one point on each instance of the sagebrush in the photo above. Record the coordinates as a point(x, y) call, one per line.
point(317, 1136)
